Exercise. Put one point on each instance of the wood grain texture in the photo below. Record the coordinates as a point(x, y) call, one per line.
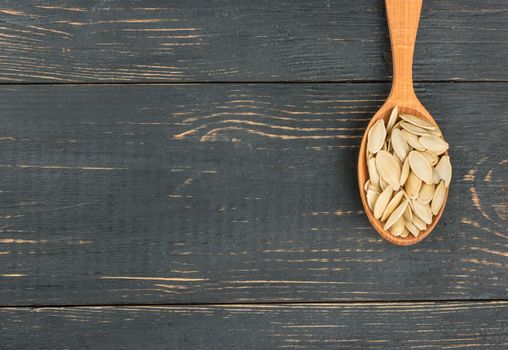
point(234, 193)
point(464, 325)
point(243, 40)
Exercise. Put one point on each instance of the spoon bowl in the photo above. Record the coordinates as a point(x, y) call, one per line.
point(384, 113)
point(403, 17)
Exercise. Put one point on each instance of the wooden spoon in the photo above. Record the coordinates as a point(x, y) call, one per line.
point(403, 17)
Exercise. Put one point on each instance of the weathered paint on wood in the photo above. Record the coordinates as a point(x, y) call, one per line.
point(234, 193)
point(465, 325)
point(243, 40)
point(240, 193)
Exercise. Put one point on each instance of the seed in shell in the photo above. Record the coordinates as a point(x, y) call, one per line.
point(397, 213)
point(393, 118)
point(398, 161)
point(412, 140)
point(375, 188)
point(390, 207)
point(438, 199)
point(398, 227)
point(420, 122)
point(399, 144)
point(376, 137)
point(404, 233)
point(412, 228)
point(434, 144)
point(413, 129)
point(435, 176)
point(395, 234)
point(420, 166)
point(422, 211)
point(413, 185)
point(382, 202)
point(419, 223)
point(444, 169)
point(372, 197)
point(373, 174)
point(367, 185)
point(431, 157)
point(408, 214)
point(426, 193)
point(389, 169)
point(383, 184)
point(404, 172)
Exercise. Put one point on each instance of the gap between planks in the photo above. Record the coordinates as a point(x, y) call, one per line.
point(267, 303)
point(197, 82)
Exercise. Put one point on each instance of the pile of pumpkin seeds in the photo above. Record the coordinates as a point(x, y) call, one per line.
point(409, 173)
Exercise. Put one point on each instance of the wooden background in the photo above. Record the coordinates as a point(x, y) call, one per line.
point(181, 175)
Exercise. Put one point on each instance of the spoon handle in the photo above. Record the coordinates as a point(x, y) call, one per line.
point(403, 17)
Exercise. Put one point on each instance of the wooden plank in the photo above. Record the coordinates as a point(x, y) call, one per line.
point(464, 325)
point(234, 193)
point(242, 40)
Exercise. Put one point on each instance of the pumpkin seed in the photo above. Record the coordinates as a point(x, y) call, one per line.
point(373, 174)
point(372, 197)
point(398, 227)
point(376, 137)
point(444, 169)
point(434, 144)
point(389, 169)
point(412, 140)
point(404, 233)
point(422, 211)
point(399, 162)
point(399, 144)
point(394, 202)
point(383, 184)
point(412, 228)
point(397, 213)
point(413, 185)
point(404, 172)
point(426, 193)
point(366, 185)
point(435, 176)
point(413, 129)
point(436, 132)
point(374, 188)
point(408, 214)
point(420, 166)
point(420, 122)
point(418, 223)
point(431, 157)
point(382, 202)
point(439, 197)
point(393, 118)
point(394, 233)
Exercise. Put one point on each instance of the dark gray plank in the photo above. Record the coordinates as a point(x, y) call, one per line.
point(243, 40)
point(234, 193)
point(463, 325)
